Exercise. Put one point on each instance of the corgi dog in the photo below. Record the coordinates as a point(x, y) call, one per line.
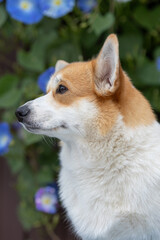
point(110, 154)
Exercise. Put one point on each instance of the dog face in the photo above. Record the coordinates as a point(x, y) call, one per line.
point(62, 111)
point(83, 98)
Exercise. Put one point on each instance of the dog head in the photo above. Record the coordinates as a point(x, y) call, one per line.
point(86, 97)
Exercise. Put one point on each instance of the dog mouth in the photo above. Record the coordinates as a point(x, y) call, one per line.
point(33, 129)
point(30, 128)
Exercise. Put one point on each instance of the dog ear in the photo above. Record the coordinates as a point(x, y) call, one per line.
point(60, 64)
point(107, 67)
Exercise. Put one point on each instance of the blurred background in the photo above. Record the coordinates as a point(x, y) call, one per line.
point(34, 34)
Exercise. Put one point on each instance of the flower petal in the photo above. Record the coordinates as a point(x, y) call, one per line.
point(56, 8)
point(87, 5)
point(44, 78)
point(46, 199)
point(5, 138)
point(26, 11)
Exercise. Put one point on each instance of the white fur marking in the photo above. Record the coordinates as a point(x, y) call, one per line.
point(111, 188)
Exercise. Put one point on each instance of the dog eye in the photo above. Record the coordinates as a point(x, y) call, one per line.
point(61, 89)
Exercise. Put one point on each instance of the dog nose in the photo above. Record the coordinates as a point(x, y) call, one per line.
point(22, 112)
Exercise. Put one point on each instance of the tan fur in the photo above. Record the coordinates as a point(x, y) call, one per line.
point(133, 106)
point(78, 78)
point(126, 100)
point(107, 115)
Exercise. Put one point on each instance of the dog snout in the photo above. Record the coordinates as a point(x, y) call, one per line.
point(22, 112)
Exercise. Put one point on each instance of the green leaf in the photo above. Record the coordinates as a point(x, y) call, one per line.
point(67, 51)
point(45, 175)
point(41, 44)
point(89, 39)
point(130, 45)
point(15, 157)
point(153, 95)
point(100, 23)
point(10, 99)
point(7, 82)
point(9, 116)
point(30, 61)
point(28, 215)
point(157, 52)
point(30, 138)
point(26, 182)
point(147, 18)
point(30, 88)
point(147, 75)
point(3, 16)
point(34, 60)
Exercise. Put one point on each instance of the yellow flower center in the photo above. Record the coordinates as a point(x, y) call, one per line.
point(25, 5)
point(46, 200)
point(4, 140)
point(57, 2)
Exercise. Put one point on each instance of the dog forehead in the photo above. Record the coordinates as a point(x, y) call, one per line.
point(78, 71)
point(78, 75)
point(56, 79)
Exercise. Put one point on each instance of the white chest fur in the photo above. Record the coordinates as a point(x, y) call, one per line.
point(103, 181)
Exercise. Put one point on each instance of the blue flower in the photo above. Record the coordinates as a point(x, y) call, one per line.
point(5, 138)
point(46, 199)
point(56, 8)
point(87, 5)
point(26, 11)
point(44, 78)
point(158, 63)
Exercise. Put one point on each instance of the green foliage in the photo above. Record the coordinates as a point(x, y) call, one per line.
point(34, 60)
point(26, 51)
point(7, 82)
point(9, 94)
point(3, 16)
point(30, 138)
point(147, 18)
point(101, 23)
point(130, 45)
point(16, 156)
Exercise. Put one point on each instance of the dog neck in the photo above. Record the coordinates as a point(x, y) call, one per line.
point(121, 143)
point(108, 168)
